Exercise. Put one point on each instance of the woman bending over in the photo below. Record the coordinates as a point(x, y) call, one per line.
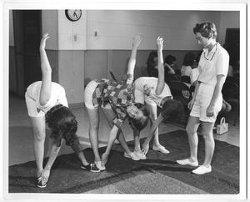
point(47, 104)
point(117, 101)
point(155, 93)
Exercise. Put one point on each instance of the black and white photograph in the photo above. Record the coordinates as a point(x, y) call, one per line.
point(130, 101)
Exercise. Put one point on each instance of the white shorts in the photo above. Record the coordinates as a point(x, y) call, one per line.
point(88, 95)
point(32, 94)
point(32, 109)
point(202, 102)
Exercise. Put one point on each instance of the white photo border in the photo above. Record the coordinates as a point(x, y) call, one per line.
point(129, 5)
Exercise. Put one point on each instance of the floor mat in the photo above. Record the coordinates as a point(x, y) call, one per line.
point(224, 179)
point(67, 176)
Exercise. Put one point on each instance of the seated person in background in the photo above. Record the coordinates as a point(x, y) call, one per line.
point(152, 64)
point(187, 66)
point(194, 73)
point(170, 73)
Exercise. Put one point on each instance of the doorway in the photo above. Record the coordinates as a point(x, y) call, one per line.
point(27, 33)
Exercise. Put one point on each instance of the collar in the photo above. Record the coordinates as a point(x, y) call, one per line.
point(213, 49)
point(210, 55)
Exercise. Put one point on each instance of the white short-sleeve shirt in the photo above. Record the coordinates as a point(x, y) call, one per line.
point(212, 64)
point(143, 83)
point(186, 70)
point(194, 75)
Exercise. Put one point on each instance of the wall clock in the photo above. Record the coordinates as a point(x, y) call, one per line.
point(73, 15)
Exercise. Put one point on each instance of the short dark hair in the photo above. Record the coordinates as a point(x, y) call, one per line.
point(206, 29)
point(198, 56)
point(141, 123)
point(151, 56)
point(172, 110)
point(62, 123)
point(189, 59)
point(169, 59)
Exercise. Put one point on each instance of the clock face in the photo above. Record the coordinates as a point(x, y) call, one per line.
point(73, 15)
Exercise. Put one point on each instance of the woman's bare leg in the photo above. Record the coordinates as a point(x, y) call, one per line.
point(39, 134)
point(110, 115)
point(207, 131)
point(93, 131)
point(192, 126)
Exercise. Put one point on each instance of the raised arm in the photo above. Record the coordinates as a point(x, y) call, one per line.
point(131, 64)
point(170, 69)
point(160, 66)
point(45, 91)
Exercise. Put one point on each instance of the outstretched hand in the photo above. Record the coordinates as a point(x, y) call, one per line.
point(43, 41)
point(137, 40)
point(145, 148)
point(159, 42)
point(44, 176)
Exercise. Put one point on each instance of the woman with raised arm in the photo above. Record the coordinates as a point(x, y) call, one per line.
point(47, 104)
point(147, 89)
point(118, 99)
point(156, 93)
